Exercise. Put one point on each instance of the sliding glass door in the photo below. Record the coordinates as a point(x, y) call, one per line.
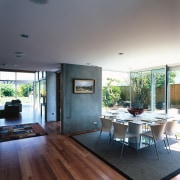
point(158, 82)
point(16, 85)
point(160, 89)
point(174, 89)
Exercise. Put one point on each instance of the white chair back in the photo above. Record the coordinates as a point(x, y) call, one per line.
point(158, 131)
point(106, 124)
point(171, 127)
point(120, 130)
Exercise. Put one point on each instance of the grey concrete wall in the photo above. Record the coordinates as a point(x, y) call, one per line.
point(80, 111)
point(51, 96)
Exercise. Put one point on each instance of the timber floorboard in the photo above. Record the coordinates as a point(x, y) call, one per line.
point(51, 157)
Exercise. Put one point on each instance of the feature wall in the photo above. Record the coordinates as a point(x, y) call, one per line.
point(80, 111)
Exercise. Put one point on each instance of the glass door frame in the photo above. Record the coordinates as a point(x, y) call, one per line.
point(153, 86)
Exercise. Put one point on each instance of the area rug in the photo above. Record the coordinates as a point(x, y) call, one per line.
point(137, 165)
point(21, 131)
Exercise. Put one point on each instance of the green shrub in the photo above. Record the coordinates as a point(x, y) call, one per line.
point(7, 90)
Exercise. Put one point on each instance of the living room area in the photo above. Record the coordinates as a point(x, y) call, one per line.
point(17, 100)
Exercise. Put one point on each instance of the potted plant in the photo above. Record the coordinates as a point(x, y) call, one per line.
point(140, 84)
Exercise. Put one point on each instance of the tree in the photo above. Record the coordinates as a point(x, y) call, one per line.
point(140, 83)
point(111, 93)
point(7, 90)
point(160, 78)
point(24, 90)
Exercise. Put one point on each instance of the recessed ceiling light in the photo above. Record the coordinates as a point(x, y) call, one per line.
point(120, 53)
point(24, 35)
point(39, 1)
point(19, 53)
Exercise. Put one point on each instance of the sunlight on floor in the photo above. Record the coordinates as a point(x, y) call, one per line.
point(176, 146)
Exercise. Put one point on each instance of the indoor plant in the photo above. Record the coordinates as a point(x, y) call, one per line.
point(140, 86)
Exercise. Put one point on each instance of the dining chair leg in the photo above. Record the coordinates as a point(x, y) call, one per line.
point(122, 148)
point(99, 135)
point(156, 149)
point(111, 140)
point(168, 143)
point(100, 132)
point(110, 136)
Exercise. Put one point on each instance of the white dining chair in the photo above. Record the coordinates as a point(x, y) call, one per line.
point(170, 130)
point(106, 126)
point(156, 134)
point(120, 133)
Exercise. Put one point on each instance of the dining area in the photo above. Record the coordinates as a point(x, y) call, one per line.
point(139, 131)
point(139, 147)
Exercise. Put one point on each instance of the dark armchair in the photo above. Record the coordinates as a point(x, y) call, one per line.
point(13, 107)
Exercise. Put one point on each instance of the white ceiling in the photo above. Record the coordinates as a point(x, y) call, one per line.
point(89, 32)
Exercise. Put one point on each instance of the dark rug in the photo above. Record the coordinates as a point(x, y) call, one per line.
point(138, 165)
point(21, 131)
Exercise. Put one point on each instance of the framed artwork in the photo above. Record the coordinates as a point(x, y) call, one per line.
point(83, 86)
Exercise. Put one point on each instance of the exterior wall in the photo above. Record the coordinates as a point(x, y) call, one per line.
point(51, 96)
point(80, 111)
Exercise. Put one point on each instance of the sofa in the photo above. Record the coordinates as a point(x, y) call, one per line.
point(13, 107)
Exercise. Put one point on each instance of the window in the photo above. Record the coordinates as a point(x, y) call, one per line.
point(115, 90)
point(174, 88)
point(16, 85)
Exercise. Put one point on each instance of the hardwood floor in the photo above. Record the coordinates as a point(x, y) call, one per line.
point(49, 157)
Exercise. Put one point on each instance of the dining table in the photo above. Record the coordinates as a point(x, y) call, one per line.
point(137, 124)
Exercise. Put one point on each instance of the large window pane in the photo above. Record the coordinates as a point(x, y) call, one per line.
point(43, 91)
point(7, 92)
point(16, 85)
point(7, 75)
point(174, 89)
point(140, 90)
point(115, 90)
point(37, 94)
point(158, 91)
point(25, 76)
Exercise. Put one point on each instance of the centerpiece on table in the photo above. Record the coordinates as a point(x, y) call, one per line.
point(140, 89)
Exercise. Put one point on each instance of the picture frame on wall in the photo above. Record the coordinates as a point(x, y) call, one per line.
point(83, 86)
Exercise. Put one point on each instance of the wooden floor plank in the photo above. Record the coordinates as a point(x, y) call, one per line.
point(26, 171)
point(51, 157)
